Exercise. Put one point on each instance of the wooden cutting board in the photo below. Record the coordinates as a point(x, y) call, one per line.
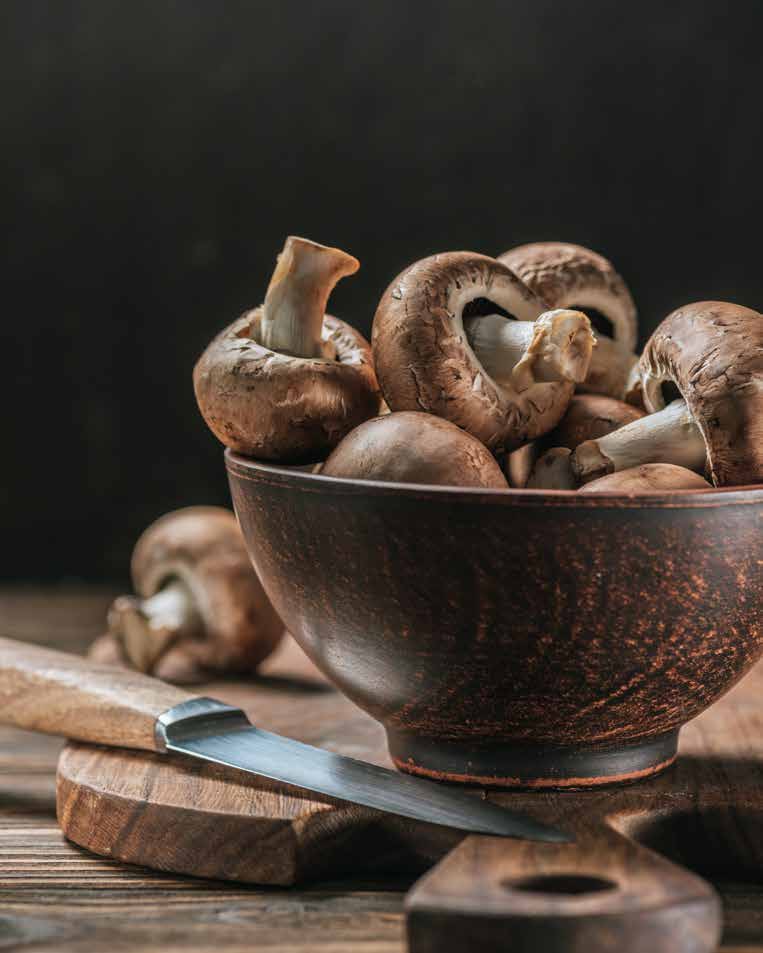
point(608, 890)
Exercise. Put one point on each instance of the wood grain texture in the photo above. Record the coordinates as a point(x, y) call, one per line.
point(56, 693)
point(218, 823)
point(705, 812)
point(213, 823)
point(603, 893)
point(58, 898)
point(178, 814)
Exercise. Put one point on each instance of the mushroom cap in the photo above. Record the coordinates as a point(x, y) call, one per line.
point(611, 367)
point(588, 417)
point(414, 447)
point(518, 465)
point(713, 352)
point(202, 547)
point(648, 477)
point(564, 275)
point(552, 471)
point(424, 360)
point(273, 406)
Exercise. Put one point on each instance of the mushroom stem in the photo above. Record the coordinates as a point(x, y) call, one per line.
point(291, 320)
point(669, 436)
point(147, 627)
point(555, 347)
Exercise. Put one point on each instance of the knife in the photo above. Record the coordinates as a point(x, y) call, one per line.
point(61, 694)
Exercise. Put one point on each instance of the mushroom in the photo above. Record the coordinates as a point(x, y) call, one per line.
point(287, 381)
point(552, 471)
point(459, 336)
point(588, 417)
point(646, 478)
point(571, 276)
point(414, 447)
point(200, 609)
point(711, 354)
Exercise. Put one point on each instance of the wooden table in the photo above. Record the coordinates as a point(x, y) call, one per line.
point(54, 896)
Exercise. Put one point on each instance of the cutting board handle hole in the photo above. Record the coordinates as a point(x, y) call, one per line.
point(568, 885)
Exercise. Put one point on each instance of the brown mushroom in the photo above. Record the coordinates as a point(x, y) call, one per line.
point(552, 471)
point(571, 276)
point(459, 336)
point(647, 478)
point(287, 381)
point(414, 447)
point(588, 417)
point(711, 354)
point(200, 609)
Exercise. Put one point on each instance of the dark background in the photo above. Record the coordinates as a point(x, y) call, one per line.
point(154, 156)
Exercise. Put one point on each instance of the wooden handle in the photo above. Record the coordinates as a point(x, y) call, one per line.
point(61, 694)
point(602, 893)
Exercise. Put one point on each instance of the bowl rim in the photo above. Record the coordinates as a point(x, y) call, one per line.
point(274, 474)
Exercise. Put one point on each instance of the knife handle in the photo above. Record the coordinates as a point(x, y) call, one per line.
point(62, 694)
point(602, 893)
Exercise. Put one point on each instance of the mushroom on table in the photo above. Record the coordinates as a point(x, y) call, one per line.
point(711, 354)
point(458, 335)
point(287, 381)
point(200, 608)
point(414, 447)
point(564, 275)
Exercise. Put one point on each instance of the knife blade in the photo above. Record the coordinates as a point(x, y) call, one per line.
point(45, 690)
point(207, 729)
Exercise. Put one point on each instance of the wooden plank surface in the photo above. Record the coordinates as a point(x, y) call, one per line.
point(54, 896)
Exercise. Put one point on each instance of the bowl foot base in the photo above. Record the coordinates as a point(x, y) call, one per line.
point(531, 766)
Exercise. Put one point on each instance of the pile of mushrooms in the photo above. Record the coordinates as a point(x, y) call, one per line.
point(519, 371)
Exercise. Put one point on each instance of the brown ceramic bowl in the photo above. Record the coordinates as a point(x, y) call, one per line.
point(516, 638)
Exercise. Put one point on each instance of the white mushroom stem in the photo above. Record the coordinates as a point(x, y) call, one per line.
point(291, 319)
point(669, 436)
point(147, 627)
point(555, 347)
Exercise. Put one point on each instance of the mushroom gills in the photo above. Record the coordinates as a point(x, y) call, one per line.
point(669, 436)
point(565, 275)
point(291, 318)
point(146, 628)
point(555, 347)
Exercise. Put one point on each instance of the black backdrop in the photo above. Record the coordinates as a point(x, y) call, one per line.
point(155, 155)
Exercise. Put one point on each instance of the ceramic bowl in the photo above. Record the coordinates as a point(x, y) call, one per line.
point(516, 638)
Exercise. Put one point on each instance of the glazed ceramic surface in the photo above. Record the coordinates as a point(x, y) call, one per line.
point(516, 638)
